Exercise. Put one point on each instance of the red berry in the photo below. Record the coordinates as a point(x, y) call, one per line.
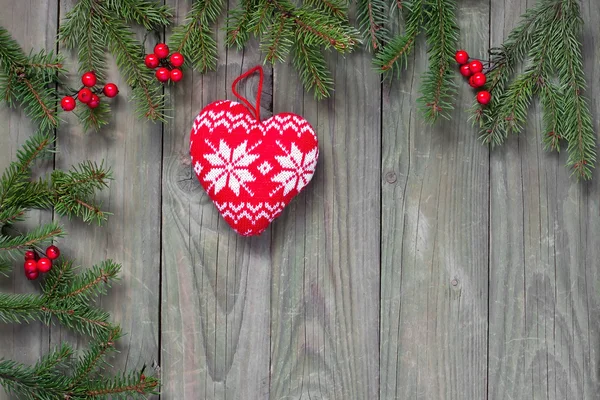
point(477, 80)
point(67, 103)
point(30, 255)
point(176, 75)
point(461, 57)
point(161, 50)
point(111, 90)
point(32, 275)
point(85, 95)
point(177, 59)
point(88, 79)
point(152, 61)
point(484, 97)
point(44, 264)
point(52, 252)
point(30, 266)
point(163, 74)
point(475, 66)
point(94, 101)
point(465, 70)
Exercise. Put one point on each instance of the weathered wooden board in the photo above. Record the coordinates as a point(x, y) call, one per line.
point(544, 287)
point(215, 284)
point(325, 293)
point(33, 25)
point(132, 148)
point(434, 238)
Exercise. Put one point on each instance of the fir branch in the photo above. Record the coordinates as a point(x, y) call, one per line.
point(321, 30)
point(237, 21)
point(84, 320)
point(129, 56)
point(39, 235)
point(74, 191)
point(91, 359)
point(94, 25)
point(550, 35)
point(94, 118)
point(312, 67)
point(394, 54)
point(504, 59)
point(551, 112)
point(194, 37)
point(15, 178)
point(125, 385)
point(58, 279)
point(576, 116)
point(150, 14)
point(54, 359)
point(438, 88)
point(278, 41)
point(29, 80)
point(373, 22)
point(93, 282)
point(82, 28)
point(20, 308)
point(26, 383)
point(334, 8)
point(305, 31)
point(56, 376)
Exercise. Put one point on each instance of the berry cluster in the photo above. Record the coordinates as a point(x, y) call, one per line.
point(168, 69)
point(473, 69)
point(34, 264)
point(87, 95)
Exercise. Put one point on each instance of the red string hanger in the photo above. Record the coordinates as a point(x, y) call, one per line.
point(251, 169)
point(260, 86)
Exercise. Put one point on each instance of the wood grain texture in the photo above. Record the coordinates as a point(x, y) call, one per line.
point(215, 303)
point(33, 25)
point(434, 238)
point(544, 292)
point(132, 148)
point(325, 292)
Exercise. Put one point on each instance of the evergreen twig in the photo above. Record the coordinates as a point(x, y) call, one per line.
point(29, 80)
point(92, 26)
point(550, 36)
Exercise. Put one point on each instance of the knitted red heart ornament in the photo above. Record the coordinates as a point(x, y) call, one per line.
point(251, 169)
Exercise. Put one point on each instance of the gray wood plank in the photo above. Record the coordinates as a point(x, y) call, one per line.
point(325, 292)
point(544, 287)
point(132, 148)
point(434, 237)
point(215, 298)
point(33, 25)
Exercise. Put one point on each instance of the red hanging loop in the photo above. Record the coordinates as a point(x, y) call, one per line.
point(260, 85)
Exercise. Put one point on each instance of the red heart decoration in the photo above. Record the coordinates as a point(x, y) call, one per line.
point(251, 169)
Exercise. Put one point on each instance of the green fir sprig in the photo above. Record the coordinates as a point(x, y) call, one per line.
point(548, 42)
point(93, 26)
point(61, 374)
point(194, 38)
point(71, 194)
point(302, 32)
point(437, 19)
point(30, 80)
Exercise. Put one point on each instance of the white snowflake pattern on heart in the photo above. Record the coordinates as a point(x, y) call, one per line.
point(297, 169)
point(230, 168)
point(198, 168)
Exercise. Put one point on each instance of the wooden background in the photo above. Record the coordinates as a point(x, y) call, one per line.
point(417, 264)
